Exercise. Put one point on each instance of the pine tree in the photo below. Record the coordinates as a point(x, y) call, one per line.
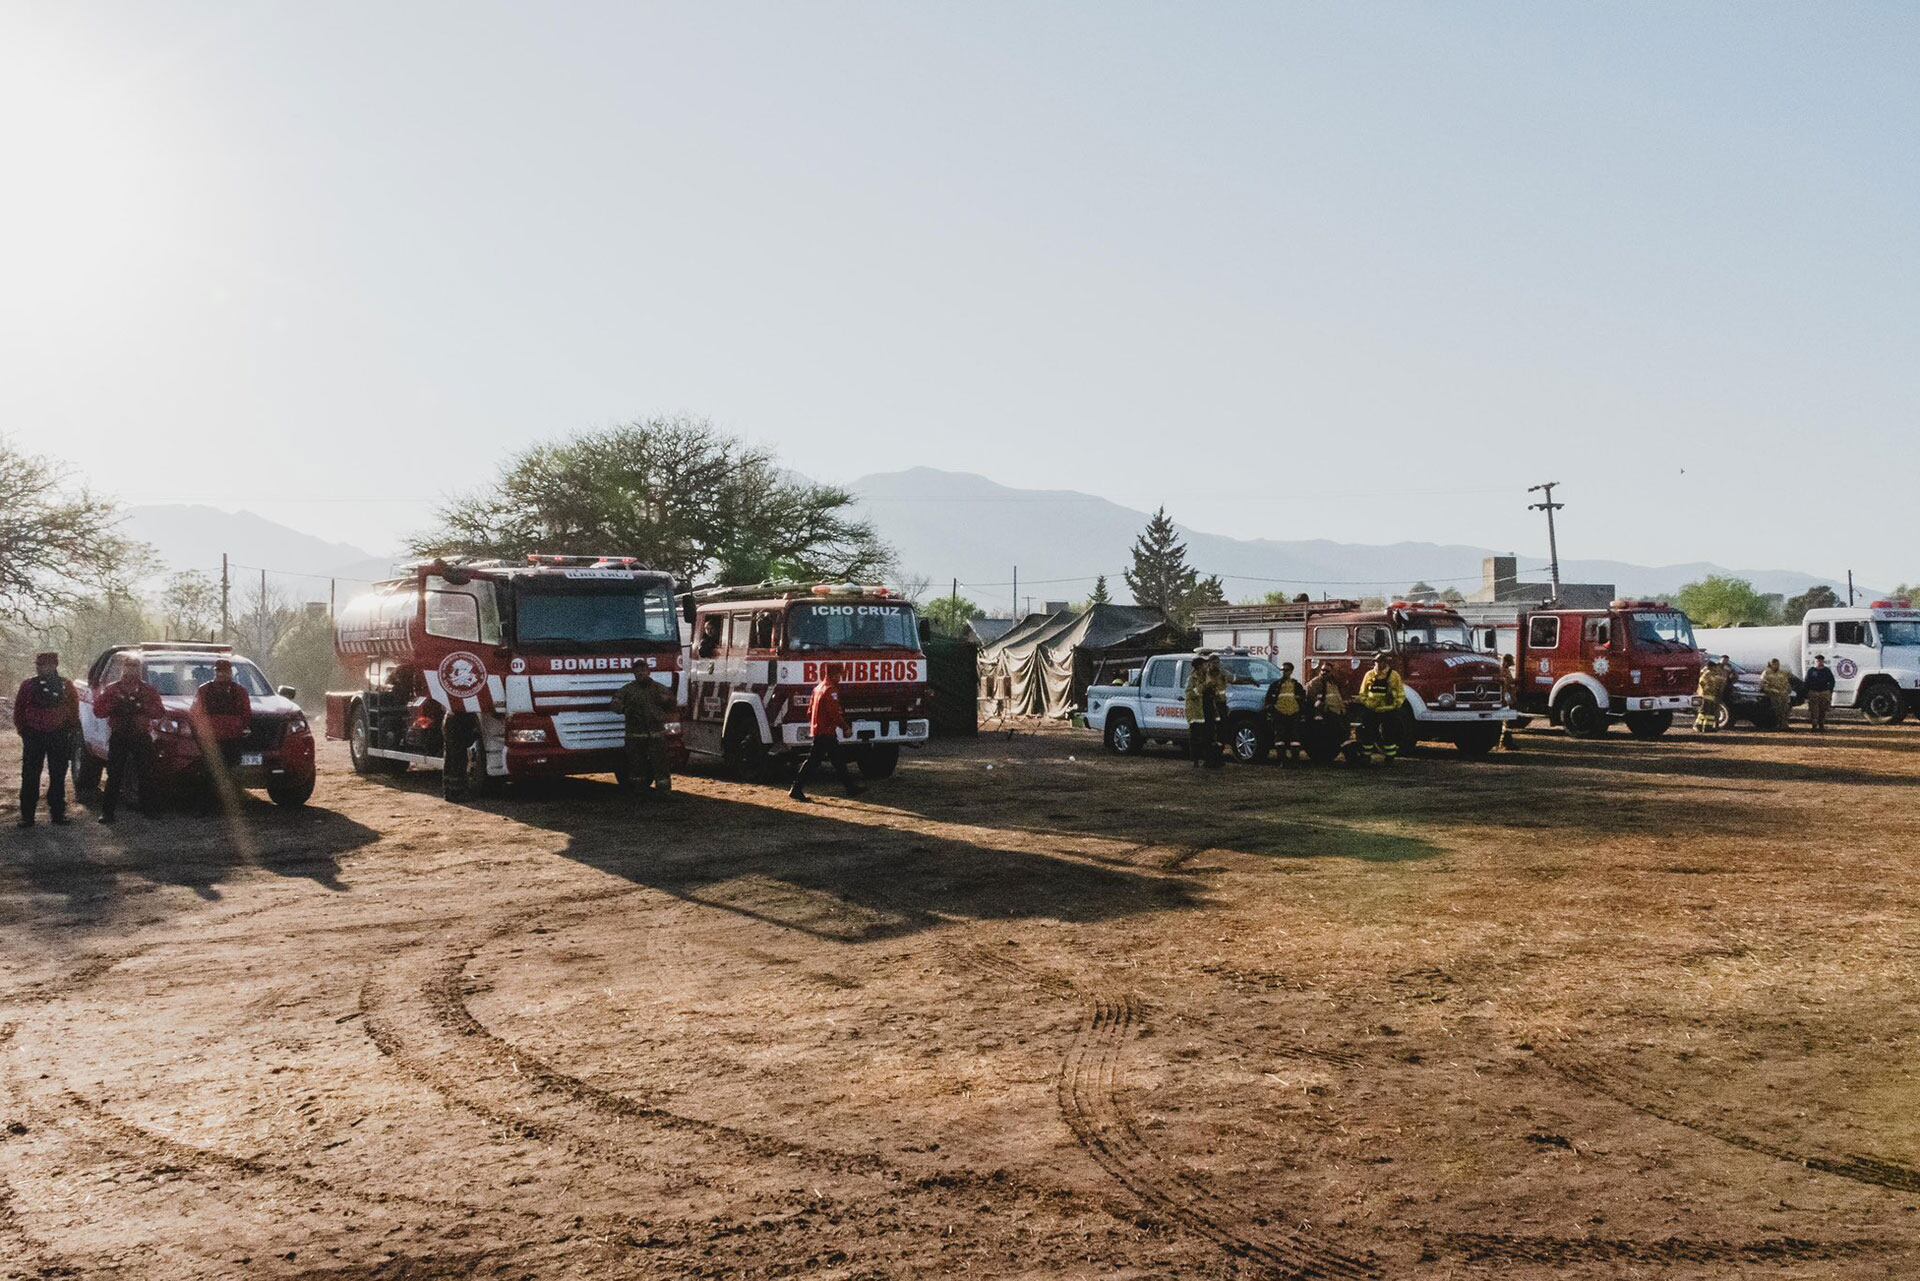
point(1161, 578)
point(1100, 594)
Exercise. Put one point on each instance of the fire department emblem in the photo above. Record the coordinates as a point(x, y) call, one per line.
point(463, 674)
point(1846, 669)
point(1601, 666)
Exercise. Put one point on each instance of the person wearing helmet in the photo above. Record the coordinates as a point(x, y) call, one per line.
point(1287, 706)
point(1777, 686)
point(1382, 694)
point(1710, 695)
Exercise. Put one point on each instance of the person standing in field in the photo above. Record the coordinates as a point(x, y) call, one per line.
point(222, 714)
point(1287, 704)
point(1201, 731)
point(1382, 694)
point(1819, 694)
point(1510, 695)
point(645, 704)
point(1710, 693)
point(1778, 689)
point(1327, 704)
point(129, 706)
point(46, 715)
point(825, 720)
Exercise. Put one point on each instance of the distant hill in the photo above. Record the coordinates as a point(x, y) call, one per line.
point(193, 537)
point(947, 524)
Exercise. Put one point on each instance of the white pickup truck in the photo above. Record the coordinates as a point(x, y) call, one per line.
point(1151, 705)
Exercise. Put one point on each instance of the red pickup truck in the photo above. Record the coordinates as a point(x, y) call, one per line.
point(277, 752)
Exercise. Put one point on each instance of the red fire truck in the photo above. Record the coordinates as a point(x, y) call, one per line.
point(1634, 661)
point(489, 669)
point(757, 652)
point(1453, 691)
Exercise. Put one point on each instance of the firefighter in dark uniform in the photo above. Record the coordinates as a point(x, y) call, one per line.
point(222, 715)
point(1510, 695)
point(1287, 704)
point(129, 706)
point(46, 714)
point(1382, 695)
point(646, 704)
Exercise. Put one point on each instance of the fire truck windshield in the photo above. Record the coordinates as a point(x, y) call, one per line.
point(1896, 634)
point(1667, 630)
point(602, 616)
point(1434, 633)
point(853, 625)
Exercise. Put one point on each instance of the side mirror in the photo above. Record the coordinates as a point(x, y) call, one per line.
point(287, 692)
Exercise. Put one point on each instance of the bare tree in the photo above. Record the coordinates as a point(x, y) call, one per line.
point(58, 542)
point(189, 605)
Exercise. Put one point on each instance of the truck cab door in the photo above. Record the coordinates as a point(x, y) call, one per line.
point(1817, 638)
point(1853, 655)
point(1163, 696)
point(93, 729)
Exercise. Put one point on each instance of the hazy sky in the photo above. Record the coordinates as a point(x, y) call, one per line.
point(1352, 271)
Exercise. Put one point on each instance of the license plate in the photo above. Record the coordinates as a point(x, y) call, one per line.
point(251, 758)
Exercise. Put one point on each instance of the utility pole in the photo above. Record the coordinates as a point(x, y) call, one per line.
point(1849, 589)
point(226, 585)
point(953, 611)
point(1016, 593)
point(1547, 505)
point(333, 596)
point(260, 613)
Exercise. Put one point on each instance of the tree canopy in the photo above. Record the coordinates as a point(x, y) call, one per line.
point(949, 615)
point(59, 544)
point(677, 493)
point(1720, 600)
point(1817, 597)
point(1161, 578)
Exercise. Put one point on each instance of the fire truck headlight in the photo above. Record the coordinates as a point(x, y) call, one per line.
point(676, 728)
point(1445, 700)
point(527, 736)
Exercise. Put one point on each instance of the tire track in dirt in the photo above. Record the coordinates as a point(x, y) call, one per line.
point(1088, 1087)
point(1494, 1247)
point(1877, 1171)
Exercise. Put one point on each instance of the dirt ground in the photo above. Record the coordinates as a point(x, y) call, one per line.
point(1584, 1010)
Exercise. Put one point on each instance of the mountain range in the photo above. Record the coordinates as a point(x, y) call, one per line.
point(946, 525)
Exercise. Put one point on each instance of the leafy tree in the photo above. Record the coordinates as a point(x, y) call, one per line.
point(1452, 596)
point(1208, 591)
point(675, 492)
point(1284, 598)
point(950, 616)
point(1818, 597)
point(58, 545)
point(1720, 600)
point(1422, 591)
point(1905, 591)
point(1101, 596)
point(189, 606)
point(304, 657)
point(83, 629)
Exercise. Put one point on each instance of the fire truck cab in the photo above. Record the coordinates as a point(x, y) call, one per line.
point(489, 669)
point(755, 654)
point(1634, 661)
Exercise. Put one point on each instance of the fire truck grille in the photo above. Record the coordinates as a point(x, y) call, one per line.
point(589, 731)
point(1477, 692)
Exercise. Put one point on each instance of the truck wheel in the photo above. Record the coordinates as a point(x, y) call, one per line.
point(1581, 716)
point(86, 768)
point(878, 762)
point(1123, 736)
point(288, 791)
point(1477, 739)
point(742, 752)
point(359, 738)
point(1649, 724)
point(1880, 703)
point(1247, 740)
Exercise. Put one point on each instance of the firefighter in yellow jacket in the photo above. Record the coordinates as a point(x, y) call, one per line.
point(646, 704)
point(1712, 691)
point(1287, 705)
point(1778, 688)
point(1382, 695)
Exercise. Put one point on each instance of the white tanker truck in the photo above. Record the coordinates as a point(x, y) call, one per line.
point(1874, 652)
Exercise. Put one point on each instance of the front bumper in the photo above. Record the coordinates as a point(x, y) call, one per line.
point(1465, 715)
point(906, 733)
point(546, 761)
point(1656, 703)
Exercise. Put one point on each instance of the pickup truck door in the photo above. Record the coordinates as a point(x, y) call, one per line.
point(1163, 696)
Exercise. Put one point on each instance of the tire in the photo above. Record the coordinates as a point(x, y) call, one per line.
point(1478, 739)
point(878, 762)
point(290, 792)
point(742, 752)
point(1880, 703)
point(1581, 716)
point(1649, 725)
point(86, 768)
point(463, 774)
point(1247, 740)
point(358, 738)
point(1123, 737)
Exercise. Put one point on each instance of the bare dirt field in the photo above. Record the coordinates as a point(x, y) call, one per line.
point(1585, 1010)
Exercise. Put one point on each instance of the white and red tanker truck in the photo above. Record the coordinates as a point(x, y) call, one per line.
point(489, 670)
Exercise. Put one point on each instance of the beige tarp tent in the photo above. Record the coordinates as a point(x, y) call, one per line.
point(1042, 666)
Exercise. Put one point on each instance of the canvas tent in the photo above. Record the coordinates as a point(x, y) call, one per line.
point(1043, 664)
